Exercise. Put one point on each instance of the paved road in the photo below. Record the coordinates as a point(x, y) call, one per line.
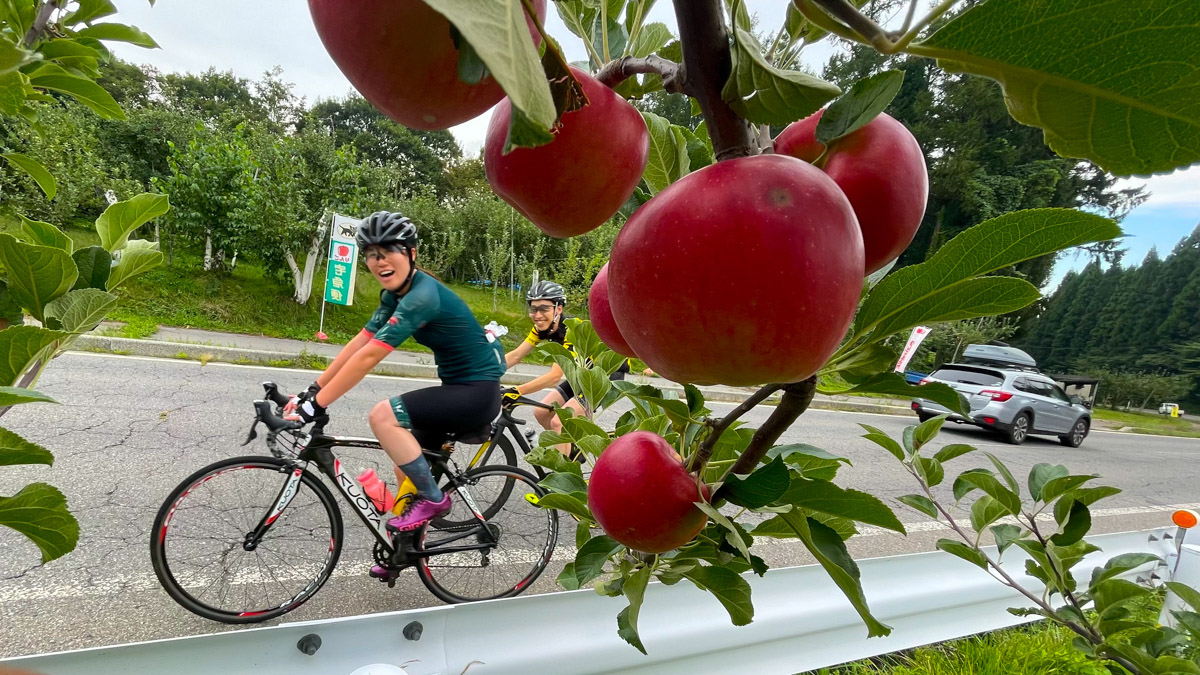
point(129, 429)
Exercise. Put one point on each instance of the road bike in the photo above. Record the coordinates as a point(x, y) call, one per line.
point(251, 538)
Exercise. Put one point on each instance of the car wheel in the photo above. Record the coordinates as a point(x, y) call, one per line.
point(924, 417)
point(1019, 431)
point(1078, 433)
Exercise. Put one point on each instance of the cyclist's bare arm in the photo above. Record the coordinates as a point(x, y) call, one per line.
point(352, 347)
point(515, 356)
point(352, 371)
point(542, 381)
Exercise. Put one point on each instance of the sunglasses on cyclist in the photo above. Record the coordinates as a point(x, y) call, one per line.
point(541, 309)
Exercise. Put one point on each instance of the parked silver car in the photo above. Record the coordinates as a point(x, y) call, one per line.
point(1015, 403)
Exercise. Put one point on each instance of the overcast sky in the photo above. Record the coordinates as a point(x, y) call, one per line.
point(251, 37)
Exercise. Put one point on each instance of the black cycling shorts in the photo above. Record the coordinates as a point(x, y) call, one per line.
point(435, 412)
point(564, 388)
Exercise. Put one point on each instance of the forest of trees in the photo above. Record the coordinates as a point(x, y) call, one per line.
point(1143, 319)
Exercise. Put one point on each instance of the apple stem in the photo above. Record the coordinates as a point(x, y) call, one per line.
point(707, 63)
point(617, 71)
point(796, 398)
point(705, 451)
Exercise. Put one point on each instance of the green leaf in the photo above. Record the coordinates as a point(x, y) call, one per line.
point(921, 503)
point(15, 450)
point(138, 256)
point(53, 77)
point(1121, 564)
point(809, 461)
point(119, 33)
point(90, 10)
point(566, 578)
point(986, 296)
point(81, 311)
point(699, 149)
point(961, 550)
point(893, 384)
point(953, 450)
point(668, 158)
point(589, 561)
point(734, 536)
point(36, 274)
point(930, 470)
point(992, 488)
point(17, 395)
point(563, 482)
point(986, 511)
point(500, 35)
point(1117, 592)
point(44, 234)
point(569, 503)
point(525, 132)
point(94, 265)
point(825, 497)
point(13, 57)
point(122, 218)
point(651, 38)
point(10, 309)
point(1001, 469)
point(695, 399)
point(1005, 535)
point(1186, 593)
point(927, 430)
point(764, 94)
point(767, 484)
point(730, 589)
point(36, 171)
point(963, 488)
point(1087, 496)
point(830, 551)
point(1041, 474)
point(635, 590)
point(614, 31)
point(856, 108)
point(1055, 58)
point(884, 441)
point(990, 246)
point(1057, 487)
point(39, 511)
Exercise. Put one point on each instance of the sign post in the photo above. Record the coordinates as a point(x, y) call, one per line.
point(341, 270)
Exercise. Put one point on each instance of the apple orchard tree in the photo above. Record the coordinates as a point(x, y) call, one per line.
point(757, 261)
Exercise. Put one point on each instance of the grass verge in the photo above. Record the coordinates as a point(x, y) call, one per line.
point(1144, 423)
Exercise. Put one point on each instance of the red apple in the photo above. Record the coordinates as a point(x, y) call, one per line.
point(744, 272)
point(643, 497)
point(601, 315)
point(881, 169)
point(576, 182)
point(399, 54)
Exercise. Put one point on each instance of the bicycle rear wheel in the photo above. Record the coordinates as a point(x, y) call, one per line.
point(524, 536)
point(198, 550)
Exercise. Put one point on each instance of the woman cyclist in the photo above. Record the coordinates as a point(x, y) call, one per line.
point(470, 363)
point(547, 300)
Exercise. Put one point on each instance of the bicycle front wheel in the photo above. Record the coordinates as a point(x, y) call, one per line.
point(498, 556)
point(199, 544)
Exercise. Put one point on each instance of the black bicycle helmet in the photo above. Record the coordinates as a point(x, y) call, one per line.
point(384, 228)
point(547, 290)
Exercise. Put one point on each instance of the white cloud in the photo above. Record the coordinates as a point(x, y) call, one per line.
point(1181, 188)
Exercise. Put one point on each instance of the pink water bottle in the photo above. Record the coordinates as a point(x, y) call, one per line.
point(377, 491)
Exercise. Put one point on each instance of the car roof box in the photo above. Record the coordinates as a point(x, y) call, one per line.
point(992, 355)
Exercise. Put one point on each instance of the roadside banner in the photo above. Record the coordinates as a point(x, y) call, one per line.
point(914, 340)
point(343, 252)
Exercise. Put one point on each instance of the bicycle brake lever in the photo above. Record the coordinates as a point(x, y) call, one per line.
point(253, 433)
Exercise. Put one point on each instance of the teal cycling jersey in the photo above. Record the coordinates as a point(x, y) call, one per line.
point(435, 317)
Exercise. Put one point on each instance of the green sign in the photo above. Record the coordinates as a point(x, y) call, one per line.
point(343, 251)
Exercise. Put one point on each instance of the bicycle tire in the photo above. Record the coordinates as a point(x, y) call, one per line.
point(504, 444)
point(539, 527)
point(175, 517)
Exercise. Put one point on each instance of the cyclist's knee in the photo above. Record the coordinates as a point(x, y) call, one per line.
point(382, 416)
point(543, 417)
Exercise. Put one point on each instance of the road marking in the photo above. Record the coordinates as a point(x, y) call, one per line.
point(222, 364)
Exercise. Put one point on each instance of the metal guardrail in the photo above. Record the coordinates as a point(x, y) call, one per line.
point(801, 622)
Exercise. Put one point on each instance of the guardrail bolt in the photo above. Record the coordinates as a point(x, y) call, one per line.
point(413, 631)
point(309, 644)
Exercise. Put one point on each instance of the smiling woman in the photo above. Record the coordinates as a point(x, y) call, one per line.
point(470, 363)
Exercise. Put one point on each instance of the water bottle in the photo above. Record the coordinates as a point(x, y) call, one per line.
point(376, 491)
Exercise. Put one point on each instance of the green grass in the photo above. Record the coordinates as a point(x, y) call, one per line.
point(1037, 649)
point(1145, 423)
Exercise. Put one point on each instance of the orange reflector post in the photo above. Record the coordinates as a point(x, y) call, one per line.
point(1185, 519)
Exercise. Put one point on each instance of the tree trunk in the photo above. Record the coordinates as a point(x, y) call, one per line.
point(302, 280)
point(208, 256)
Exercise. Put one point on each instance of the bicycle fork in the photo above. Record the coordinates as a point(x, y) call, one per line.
point(286, 494)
